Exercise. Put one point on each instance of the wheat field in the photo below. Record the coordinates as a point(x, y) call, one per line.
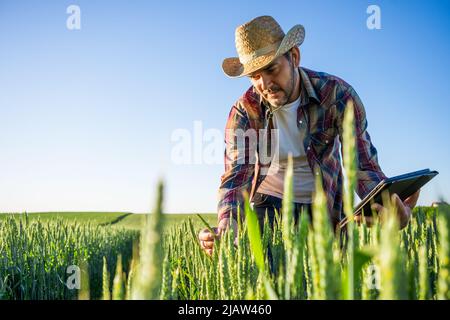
point(307, 260)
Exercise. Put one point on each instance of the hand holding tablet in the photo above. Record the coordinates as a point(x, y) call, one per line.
point(404, 191)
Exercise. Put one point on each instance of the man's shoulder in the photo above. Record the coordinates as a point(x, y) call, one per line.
point(323, 77)
point(250, 103)
point(325, 83)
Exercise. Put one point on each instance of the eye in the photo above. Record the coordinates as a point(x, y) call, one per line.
point(271, 70)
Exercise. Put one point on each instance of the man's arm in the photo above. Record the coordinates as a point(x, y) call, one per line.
point(239, 166)
point(369, 173)
point(239, 171)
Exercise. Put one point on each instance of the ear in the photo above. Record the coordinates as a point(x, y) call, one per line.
point(296, 56)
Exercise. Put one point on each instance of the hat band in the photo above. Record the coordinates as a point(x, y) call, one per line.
point(257, 53)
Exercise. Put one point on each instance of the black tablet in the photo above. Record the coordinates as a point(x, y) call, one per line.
point(404, 185)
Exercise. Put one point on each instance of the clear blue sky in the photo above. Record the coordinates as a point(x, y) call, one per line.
point(87, 115)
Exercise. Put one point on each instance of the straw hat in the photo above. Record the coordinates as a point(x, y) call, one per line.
point(258, 43)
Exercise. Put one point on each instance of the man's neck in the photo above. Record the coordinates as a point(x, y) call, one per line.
point(297, 87)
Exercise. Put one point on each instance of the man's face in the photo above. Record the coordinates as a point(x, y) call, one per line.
point(276, 82)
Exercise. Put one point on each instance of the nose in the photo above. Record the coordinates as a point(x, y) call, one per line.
point(265, 82)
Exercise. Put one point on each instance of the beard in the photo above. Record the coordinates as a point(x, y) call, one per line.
point(277, 96)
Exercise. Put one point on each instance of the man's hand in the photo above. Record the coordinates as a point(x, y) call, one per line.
point(404, 209)
point(207, 238)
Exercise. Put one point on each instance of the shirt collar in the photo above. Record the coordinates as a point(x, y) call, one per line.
point(306, 84)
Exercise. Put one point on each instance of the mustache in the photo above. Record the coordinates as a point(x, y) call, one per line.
point(274, 89)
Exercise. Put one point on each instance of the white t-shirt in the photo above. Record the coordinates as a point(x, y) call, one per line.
point(290, 141)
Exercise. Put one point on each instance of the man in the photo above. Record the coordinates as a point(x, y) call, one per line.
point(306, 108)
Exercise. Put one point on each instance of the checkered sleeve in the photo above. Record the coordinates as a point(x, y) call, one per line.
point(239, 167)
point(369, 173)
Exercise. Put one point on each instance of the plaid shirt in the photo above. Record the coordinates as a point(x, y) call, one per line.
point(323, 98)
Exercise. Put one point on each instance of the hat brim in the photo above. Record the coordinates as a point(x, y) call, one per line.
point(233, 67)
